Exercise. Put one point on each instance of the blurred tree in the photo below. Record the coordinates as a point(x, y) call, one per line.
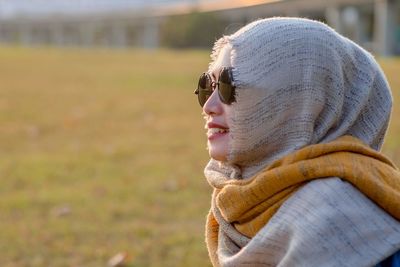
point(192, 30)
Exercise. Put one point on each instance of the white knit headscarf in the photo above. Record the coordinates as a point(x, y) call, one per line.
point(299, 83)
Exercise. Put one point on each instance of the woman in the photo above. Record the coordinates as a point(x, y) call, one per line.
point(295, 115)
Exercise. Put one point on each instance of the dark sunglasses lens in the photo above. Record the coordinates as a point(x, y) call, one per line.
point(225, 92)
point(204, 89)
point(203, 96)
point(226, 89)
point(203, 81)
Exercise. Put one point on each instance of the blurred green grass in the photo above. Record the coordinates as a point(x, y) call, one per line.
point(103, 151)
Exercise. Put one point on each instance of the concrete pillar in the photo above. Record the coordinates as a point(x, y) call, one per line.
point(57, 35)
point(365, 30)
point(351, 23)
point(332, 15)
point(119, 34)
point(3, 34)
point(10, 33)
point(25, 34)
point(384, 27)
point(100, 36)
point(87, 32)
point(150, 33)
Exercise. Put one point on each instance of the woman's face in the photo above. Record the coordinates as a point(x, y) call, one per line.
point(217, 113)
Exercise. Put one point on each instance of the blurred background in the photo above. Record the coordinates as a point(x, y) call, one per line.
point(102, 142)
point(375, 24)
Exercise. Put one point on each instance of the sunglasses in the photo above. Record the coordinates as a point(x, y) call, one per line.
point(225, 86)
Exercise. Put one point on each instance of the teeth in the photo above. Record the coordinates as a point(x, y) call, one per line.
point(217, 130)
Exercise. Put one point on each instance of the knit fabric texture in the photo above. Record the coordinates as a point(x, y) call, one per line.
point(249, 204)
point(300, 83)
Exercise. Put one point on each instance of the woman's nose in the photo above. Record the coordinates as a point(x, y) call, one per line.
point(213, 105)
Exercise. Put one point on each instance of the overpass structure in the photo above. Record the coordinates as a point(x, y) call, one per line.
point(374, 24)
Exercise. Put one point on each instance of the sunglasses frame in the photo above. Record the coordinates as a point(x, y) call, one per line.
point(216, 85)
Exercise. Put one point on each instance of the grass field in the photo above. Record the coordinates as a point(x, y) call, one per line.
point(102, 152)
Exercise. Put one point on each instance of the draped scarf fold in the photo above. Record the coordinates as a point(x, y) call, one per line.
point(249, 204)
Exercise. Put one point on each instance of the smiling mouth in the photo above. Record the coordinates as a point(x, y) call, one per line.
point(217, 130)
point(214, 133)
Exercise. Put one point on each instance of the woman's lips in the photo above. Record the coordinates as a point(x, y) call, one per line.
point(214, 133)
point(216, 130)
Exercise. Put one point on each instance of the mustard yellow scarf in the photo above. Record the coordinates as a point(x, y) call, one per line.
point(249, 204)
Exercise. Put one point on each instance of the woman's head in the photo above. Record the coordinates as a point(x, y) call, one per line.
point(298, 83)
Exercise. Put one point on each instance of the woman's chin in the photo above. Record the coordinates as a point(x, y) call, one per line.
point(217, 153)
point(218, 146)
